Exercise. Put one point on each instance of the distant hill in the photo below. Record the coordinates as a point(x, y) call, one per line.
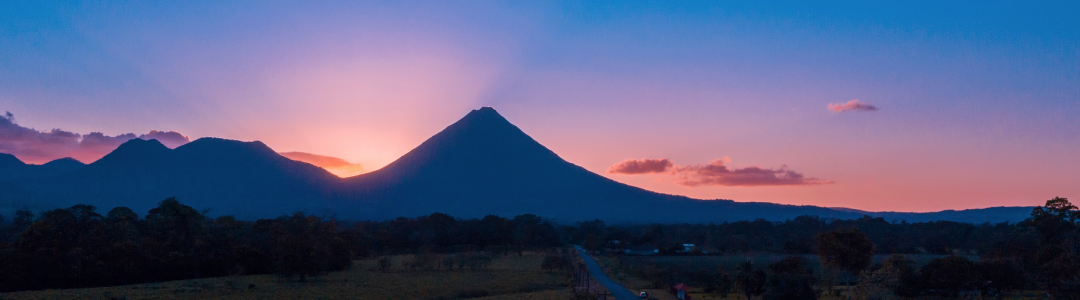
point(13, 169)
point(480, 165)
point(245, 179)
point(978, 215)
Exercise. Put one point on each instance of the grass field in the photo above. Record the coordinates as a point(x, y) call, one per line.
point(506, 277)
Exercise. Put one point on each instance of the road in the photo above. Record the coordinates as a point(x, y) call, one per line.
point(620, 292)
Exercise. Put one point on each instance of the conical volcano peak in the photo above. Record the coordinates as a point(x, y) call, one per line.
point(484, 115)
point(482, 141)
point(481, 126)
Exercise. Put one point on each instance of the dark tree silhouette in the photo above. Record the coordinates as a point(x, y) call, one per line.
point(750, 281)
point(950, 275)
point(847, 249)
point(177, 234)
point(790, 279)
point(1001, 275)
point(1058, 225)
point(724, 282)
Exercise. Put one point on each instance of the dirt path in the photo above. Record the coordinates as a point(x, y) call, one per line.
point(620, 292)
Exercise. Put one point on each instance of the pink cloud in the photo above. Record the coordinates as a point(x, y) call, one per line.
point(715, 173)
point(37, 147)
point(337, 166)
point(643, 166)
point(852, 105)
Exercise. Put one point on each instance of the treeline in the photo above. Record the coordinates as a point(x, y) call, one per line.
point(78, 247)
point(796, 236)
point(442, 233)
point(1040, 253)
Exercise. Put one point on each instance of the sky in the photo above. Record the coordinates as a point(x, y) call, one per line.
point(902, 106)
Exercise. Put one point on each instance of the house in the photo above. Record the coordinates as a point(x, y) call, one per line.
point(681, 291)
point(687, 248)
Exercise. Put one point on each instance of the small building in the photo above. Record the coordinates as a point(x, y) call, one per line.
point(687, 248)
point(681, 291)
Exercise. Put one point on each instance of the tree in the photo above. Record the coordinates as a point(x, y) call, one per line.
point(176, 234)
point(61, 249)
point(750, 281)
point(1058, 225)
point(1001, 275)
point(908, 285)
point(892, 278)
point(847, 249)
point(305, 245)
point(531, 230)
point(790, 279)
point(124, 255)
point(592, 235)
point(950, 275)
point(724, 283)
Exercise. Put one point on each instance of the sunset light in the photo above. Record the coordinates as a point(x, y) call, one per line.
point(508, 149)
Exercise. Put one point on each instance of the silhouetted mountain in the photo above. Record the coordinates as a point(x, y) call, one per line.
point(477, 166)
point(9, 161)
point(977, 216)
point(245, 179)
point(483, 165)
point(13, 169)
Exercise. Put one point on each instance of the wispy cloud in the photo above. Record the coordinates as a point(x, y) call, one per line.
point(337, 166)
point(715, 173)
point(852, 105)
point(36, 147)
point(642, 166)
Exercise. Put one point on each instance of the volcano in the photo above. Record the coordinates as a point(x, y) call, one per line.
point(480, 165)
point(483, 164)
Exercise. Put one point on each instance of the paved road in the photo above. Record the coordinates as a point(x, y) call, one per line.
point(620, 292)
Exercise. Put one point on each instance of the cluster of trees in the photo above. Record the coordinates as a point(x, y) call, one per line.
point(795, 236)
point(441, 233)
point(1040, 253)
point(78, 247)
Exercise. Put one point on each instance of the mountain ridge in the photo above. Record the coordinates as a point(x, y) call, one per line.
point(480, 165)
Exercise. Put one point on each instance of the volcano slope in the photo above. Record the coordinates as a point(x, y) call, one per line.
point(483, 164)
